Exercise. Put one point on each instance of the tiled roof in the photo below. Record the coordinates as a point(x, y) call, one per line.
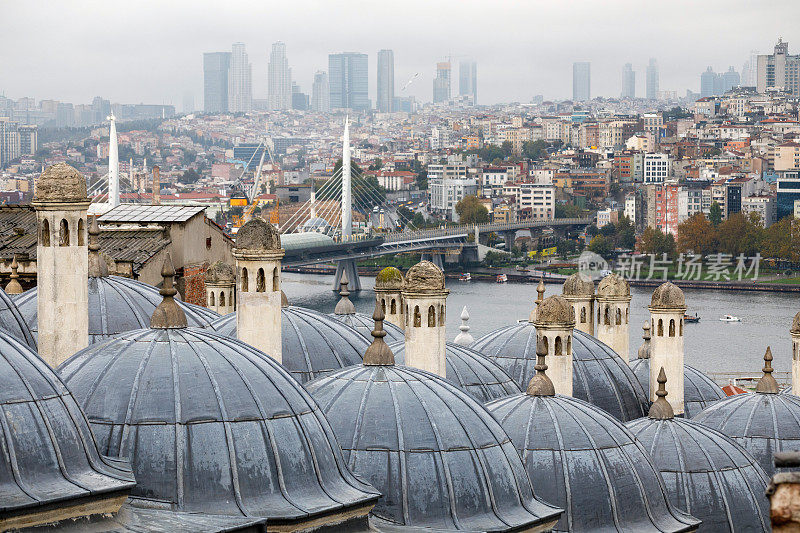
point(151, 213)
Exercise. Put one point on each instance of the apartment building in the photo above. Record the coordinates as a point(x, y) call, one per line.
point(492, 180)
point(764, 206)
point(657, 168)
point(785, 156)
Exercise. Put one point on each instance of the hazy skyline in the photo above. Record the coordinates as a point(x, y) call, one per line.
point(152, 52)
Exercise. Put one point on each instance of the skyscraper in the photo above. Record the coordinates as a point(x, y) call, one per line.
point(779, 70)
point(708, 81)
point(385, 81)
point(215, 81)
point(348, 79)
point(468, 80)
point(651, 92)
point(730, 80)
point(581, 81)
point(441, 83)
point(320, 93)
point(279, 78)
point(628, 81)
point(240, 78)
point(749, 70)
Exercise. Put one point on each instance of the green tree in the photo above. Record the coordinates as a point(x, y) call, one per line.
point(601, 245)
point(422, 175)
point(471, 211)
point(715, 214)
point(568, 211)
point(534, 149)
point(626, 233)
point(655, 242)
point(376, 164)
point(190, 175)
point(418, 221)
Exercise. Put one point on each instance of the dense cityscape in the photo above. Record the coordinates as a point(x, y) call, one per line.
point(364, 296)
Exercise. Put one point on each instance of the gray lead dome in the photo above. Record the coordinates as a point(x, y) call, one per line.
point(116, 305)
point(313, 344)
point(11, 322)
point(582, 459)
point(364, 324)
point(599, 374)
point(470, 371)
point(707, 474)
point(50, 460)
point(437, 456)
point(213, 426)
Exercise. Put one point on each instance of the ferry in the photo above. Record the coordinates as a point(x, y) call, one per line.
point(502, 278)
point(465, 277)
point(691, 319)
point(730, 318)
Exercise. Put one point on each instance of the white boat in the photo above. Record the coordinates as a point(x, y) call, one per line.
point(502, 278)
point(465, 277)
point(730, 318)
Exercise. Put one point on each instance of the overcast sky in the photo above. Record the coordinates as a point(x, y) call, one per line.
point(151, 51)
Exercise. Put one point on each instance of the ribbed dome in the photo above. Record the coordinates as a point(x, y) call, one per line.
point(11, 322)
point(470, 371)
point(313, 344)
point(613, 285)
point(762, 423)
point(599, 375)
point(212, 426)
point(576, 285)
point(555, 310)
point(116, 305)
point(580, 458)
point(707, 474)
point(364, 324)
point(50, 460)
point(437, 456)
point(699, 390)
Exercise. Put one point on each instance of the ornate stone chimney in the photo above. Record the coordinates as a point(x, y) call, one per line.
point(580, 293)
point(220, 282)
point(389, 292)
point(554, 322)
point(667, 307)
point(613, 309)
point(425, 299)
point(258, 256)
point(62, 263)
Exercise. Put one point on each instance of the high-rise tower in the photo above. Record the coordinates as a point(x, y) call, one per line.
point(441, 83)
point(348, 80)
point(628, 81)
point(581, 81)
point(279, 78)
point(651, 90)
point(320, 93)
point(385, 81)
point(216, 66)
point(240, 77)
point(468, 79)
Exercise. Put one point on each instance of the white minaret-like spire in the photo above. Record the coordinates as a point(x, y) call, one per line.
point(347, 206)
point(313, 204)
point(464, 338)
point(113, 163)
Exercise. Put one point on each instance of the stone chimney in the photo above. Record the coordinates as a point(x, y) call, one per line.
point(554, 322)
point(613, 309)
point(258, 256)
point(220, 283)
point(389, 292)
point(62, 263)
point(795, 333)
point(580, 293)
point(667, 307)
point(425, 301)
point(156, 185)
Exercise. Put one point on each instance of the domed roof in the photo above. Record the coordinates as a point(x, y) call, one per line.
point(762, 422)
point(220, 272)
point(315, 224)
point(116, 305)
point(699, 390)
point(60, 183)
point(50, 460)
point(599, 376)
point(613, 285)
point(424, 276)
point(796, 324)
point(470, 371)
point(584, 460)
point(389, 279)
point(555, 311)
point(212, 426)
point(668, 296)
point(258, 235)
point(11, 322)
point(313, 343)
point(576, 285)
point(706, 474)
point(437, 456)
point(364, 323)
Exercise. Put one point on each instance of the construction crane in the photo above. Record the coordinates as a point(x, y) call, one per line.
point(246, 199)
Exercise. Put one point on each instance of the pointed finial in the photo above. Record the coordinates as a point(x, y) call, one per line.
point(284, 300)
point(540, 384)
point(378, 353)
point(168, 314)
point(767, 383)
point(344, 306)
point(540, 291)
point(97, 265)
point(464, 338)
point(661, 409)
point(13, 286)
point(645, 349)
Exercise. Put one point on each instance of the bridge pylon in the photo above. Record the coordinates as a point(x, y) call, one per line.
point(349, 266)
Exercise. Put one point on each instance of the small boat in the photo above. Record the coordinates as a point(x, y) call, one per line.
point(502, 278)
point(691, 319)
point(730, 318)
point(465, 277)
